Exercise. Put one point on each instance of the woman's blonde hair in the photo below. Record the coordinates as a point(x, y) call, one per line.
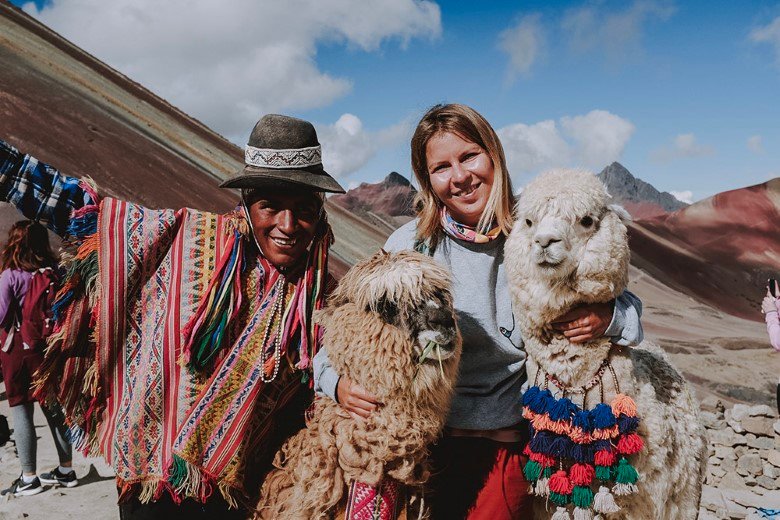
point(468, 124)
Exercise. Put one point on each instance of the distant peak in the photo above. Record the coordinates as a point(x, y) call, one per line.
point(397, 179)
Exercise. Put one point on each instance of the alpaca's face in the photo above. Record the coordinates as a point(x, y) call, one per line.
point(560, 217)
point(407, 290)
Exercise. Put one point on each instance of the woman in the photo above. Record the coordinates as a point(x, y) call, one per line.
point(464, 214)
point(183, 337)
point(27, 254)
point(770, 306)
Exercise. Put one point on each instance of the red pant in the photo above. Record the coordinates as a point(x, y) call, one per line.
point(478, 479)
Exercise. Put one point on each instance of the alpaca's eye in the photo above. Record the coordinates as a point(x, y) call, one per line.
point(528, 223)
point(586, 221)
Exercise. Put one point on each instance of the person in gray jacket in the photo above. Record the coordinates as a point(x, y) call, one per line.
point(464, 214)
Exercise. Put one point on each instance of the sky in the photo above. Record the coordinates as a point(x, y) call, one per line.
point(686, 95)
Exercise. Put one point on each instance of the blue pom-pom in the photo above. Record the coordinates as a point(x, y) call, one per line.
point(560, 446)
point(562, 409)
point(582, 420)
point(530, 395)
point(541, 442)
point(541, 402)
point(601, 445)
point(627, 424)
point(602, 416)
point(582, 453)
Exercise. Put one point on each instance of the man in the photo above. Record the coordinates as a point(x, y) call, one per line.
point(183, 337)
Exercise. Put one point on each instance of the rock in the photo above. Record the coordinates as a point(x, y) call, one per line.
point(766, 482)
point(713, 461)
point(750, 464)
point(710, 404)
point(774, 458)
point(711, 498)
point(740, 412)
point(712, 421)
point(770, 470)
point(729, 464)
point(736, 426)
point(761, 426)
point(761, 410)
point(706, 515)
point(750, 499)
point(777, 428)
point(722, 452)
point(741, 450)
point(735, 510)
point(726, 438)
point(720, 472)
point(760, 443)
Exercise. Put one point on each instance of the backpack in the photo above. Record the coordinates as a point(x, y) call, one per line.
point(33, 322)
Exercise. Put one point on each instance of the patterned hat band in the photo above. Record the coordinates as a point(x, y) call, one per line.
point(292, 158)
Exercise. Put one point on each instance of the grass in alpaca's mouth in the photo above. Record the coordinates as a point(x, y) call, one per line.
point(425, 354)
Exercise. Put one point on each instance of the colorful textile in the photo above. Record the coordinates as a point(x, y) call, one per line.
point(464, 232)
point(39, 191)
point(370, 503)
point(571, 449)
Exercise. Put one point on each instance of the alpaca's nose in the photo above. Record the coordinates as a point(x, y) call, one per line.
point(440, 318)
point(545, 239)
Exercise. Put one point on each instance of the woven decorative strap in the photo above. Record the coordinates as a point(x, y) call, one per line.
point(373, 503)
point(292, 158)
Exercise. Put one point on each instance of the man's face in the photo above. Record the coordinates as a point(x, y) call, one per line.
point(284, 221)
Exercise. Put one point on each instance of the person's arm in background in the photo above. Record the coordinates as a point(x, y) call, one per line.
point(771, 308)
point(7, 296)
point(39, 191)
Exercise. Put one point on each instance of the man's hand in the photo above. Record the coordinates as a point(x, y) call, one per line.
point(355, 399)
point(585, 323)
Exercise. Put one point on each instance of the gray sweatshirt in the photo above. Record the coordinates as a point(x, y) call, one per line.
point(492, 366)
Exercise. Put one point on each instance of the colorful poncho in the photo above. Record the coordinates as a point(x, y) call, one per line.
point(157, 353)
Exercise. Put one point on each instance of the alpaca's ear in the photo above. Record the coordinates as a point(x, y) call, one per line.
point(621, 212)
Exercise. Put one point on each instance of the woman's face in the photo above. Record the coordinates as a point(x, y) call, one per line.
point(461, 174)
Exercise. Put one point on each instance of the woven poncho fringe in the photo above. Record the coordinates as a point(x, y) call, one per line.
point(147, 289)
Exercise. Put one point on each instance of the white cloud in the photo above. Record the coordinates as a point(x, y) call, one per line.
point(755, 144)
point(683, 196)
point(617, 34)
point(769, 34)
point(592, 140)
point(227, 63)
point(347, 146)
point(522, 42)
point(683, 146)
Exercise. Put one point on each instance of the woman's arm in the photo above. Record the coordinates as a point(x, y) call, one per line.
point(619, 320)
point(7, 296)
point(771, 308)
point(352, 397)
point(38, 190)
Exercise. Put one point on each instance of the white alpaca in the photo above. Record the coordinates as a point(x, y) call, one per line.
point(569, 247)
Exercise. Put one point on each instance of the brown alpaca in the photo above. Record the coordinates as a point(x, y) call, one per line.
point(377, 323)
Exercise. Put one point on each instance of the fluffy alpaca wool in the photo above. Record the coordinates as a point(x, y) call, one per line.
point(586, 261)
point(376, 323)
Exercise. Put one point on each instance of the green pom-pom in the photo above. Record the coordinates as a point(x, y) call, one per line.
point(582, 496)
point(546, 473)
point(626, 474)
point(532, 470)
point(558, 499)
point(603, 473)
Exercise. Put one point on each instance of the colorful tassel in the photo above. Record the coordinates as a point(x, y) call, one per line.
point(604, 458)
point(582, 514)
point(603, 473)
point(562, 409)
point(543, 460)
point(623, 404)
point(624, 489)
point(542, 487)
point(582, 453)
point(560, 446)
point(532, 471)
point(630, 444)
point(558, 499)
point(582, 496)
point(627, 424)
point(561, 514)
point(625, 473)
point(560, 483)
point(603, 417)
point(581, 474)
point(604, 502)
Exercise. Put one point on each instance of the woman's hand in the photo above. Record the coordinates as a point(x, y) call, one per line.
point(768, 304)
point(355, 399)
point(585, 323)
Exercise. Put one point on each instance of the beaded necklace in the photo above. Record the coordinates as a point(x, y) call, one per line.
point(588, 447)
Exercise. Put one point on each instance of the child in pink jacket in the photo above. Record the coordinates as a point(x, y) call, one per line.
point(771, 309)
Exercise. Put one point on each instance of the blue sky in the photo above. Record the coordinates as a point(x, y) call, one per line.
point(684, 94)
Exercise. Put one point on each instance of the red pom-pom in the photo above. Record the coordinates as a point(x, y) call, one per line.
point(527, 450)
point(545, 461)
point(604, 458)
point(560, 483)
point(630, 444)
point(582, 474)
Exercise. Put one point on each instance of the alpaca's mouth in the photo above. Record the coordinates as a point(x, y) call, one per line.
point(434, 346)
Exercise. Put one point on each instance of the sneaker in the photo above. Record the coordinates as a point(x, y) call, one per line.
point(21, 489)
point(59, 479)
